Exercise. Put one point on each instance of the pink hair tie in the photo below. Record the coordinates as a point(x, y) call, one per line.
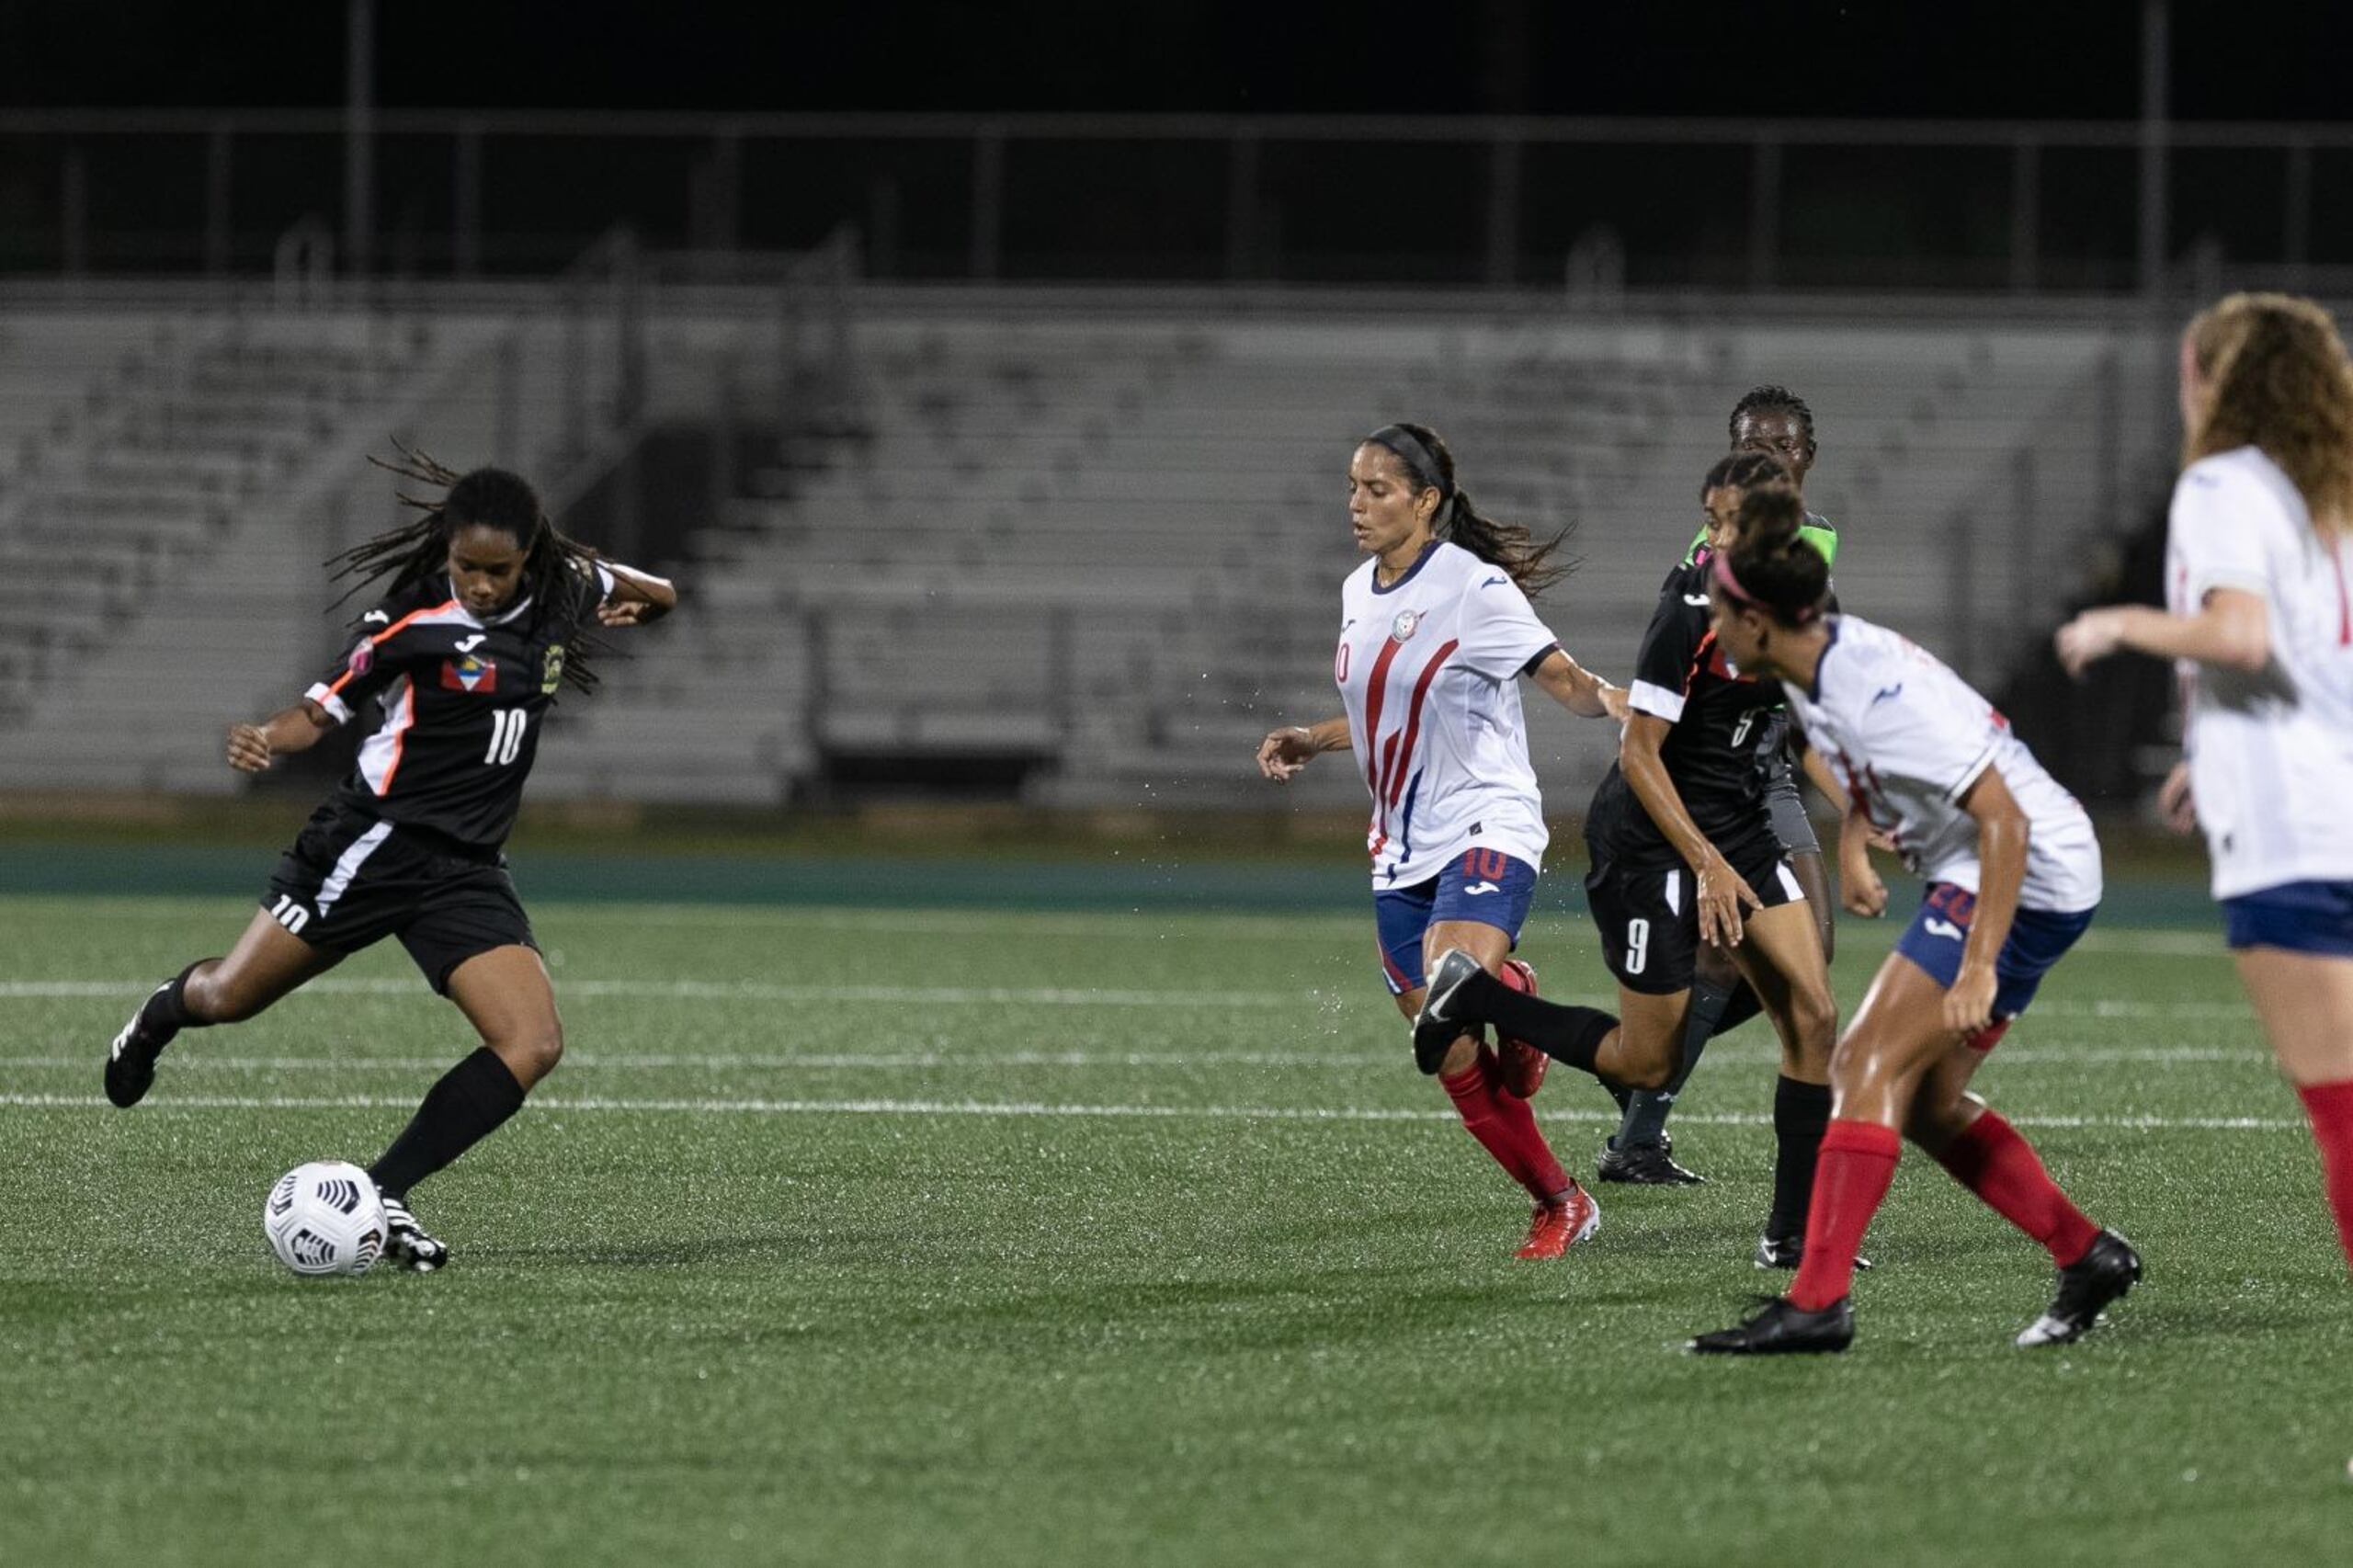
point(1719, 569)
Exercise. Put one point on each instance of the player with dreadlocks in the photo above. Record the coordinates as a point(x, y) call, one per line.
point(489, 610)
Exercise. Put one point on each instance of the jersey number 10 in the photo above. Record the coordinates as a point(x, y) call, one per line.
point(506, 727)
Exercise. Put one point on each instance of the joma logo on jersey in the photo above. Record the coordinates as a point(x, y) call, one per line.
point(551, 669)
point(471, 673)
point(1402, 627)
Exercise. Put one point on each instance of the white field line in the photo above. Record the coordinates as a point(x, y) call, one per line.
point(557, 1103)
point(748, 991)
point(1011, 996)
point(1318, 925)
point(2251, 1054)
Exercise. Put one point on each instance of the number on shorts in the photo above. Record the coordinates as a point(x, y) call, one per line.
point(505, 734)
point(1638, 945)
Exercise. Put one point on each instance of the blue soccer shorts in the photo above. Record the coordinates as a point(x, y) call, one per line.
point(2039, 938)
point(1484, 885)
point(2302, 917)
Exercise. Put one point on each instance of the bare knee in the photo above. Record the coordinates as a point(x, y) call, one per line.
point(217, 994)
point(532, 1054)
point(1936, 1121)
point(1814, 1020)
point(1646, 1073)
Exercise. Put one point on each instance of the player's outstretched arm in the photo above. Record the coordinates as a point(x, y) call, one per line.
point(252, 747)
point(637, 597)
point(1578, 689)
point(1285, 751)
point(2231, 629)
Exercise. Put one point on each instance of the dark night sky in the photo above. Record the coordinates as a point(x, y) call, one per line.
point(2059, 59)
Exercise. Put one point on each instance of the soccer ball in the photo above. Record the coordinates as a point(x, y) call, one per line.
point(324, 1218)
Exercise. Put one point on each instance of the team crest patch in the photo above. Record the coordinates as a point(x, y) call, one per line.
point(1401, 629)
point(551, 669)
point(363, 658)
point(470, 673)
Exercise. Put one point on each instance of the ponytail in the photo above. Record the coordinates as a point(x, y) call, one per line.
point(1511, 547)
point(1771, 567)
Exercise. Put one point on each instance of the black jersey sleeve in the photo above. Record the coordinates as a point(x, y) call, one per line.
point(1671, 651)
point(380, 656)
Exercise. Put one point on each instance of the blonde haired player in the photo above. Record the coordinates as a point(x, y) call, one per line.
point(2259, 618)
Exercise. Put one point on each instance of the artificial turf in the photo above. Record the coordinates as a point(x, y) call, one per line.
point(993, 1237)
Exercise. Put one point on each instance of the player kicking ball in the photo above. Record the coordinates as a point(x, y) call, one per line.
point(2013, 873)
point(490, 610)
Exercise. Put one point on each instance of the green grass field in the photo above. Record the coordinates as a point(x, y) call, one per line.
point(970, 1236)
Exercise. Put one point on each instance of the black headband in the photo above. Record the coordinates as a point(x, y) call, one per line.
point(1415, 457)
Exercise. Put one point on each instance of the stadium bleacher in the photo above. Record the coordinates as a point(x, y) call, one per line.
point(1101, 545)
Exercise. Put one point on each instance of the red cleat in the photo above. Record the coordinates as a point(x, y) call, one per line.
point(1522, 1064)
point(1560, 1223)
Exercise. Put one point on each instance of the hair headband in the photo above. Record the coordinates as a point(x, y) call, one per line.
point(1416, 457)
point(1720, 570)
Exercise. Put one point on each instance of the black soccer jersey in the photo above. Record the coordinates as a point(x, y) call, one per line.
point(1710, 754)
point(458, 707)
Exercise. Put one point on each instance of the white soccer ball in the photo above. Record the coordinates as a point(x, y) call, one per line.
point(324, 1218)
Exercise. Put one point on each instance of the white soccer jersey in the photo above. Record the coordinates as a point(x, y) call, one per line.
point(2270, 753)
point(1429, 667)
point(1907, 737)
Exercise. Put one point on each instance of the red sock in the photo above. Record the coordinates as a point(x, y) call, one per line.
point(1538, 1171)
point(1514, 1140)
point(1850, 1179)
point(2002, 1168)
point(2330, 1106)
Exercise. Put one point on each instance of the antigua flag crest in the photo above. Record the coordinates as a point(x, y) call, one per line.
point(470, 673)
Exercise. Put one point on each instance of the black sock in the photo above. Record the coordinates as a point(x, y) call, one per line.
point(1561, 1030)
point(167, 1013)
point(1742, 1006)
point(1645, 1118)
point(1800, 1112)
point(467, 1106)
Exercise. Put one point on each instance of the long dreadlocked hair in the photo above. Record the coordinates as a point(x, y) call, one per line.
point(559, 573)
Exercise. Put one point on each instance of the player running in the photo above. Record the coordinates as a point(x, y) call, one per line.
point(487, 615)
point(1684, 854)
point(1435, 631)
point(2013, 875)
point(2259, 618)
point(1771, 427)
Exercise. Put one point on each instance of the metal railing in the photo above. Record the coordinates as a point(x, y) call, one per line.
point(1762, 206)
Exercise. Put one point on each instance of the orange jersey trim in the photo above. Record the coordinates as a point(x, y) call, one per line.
point(400, 733)
point(378, 641)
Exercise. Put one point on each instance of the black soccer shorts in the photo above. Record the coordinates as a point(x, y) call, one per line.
point(1649, 914)
point(350, 881)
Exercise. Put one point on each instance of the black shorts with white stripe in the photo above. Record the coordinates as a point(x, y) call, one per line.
point(1648, 914)
point(350, 881)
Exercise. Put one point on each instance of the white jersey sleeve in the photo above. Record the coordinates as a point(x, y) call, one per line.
point(2225, 519)
point(1912, 730)
point(1500, 631)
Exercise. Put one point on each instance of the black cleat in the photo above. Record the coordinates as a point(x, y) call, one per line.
point(406, 1246)
point(2086, 1287)
point(1438, 1026)
point(1780, 1327)
point(1788, 1252)
point(131, 1060)
point(1645, 1165)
